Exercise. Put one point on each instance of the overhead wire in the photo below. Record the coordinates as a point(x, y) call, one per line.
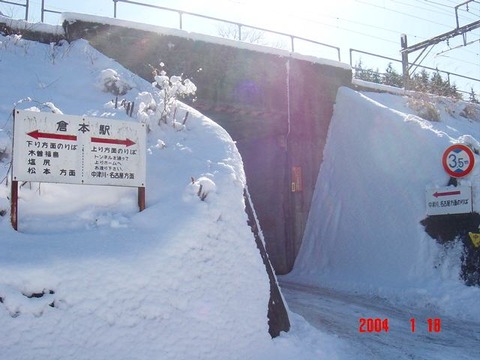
point(420, 18)
point(387, 8)
point(435, 10)
point(401, 13)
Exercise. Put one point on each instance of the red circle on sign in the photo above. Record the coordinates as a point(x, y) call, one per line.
point(458, 160)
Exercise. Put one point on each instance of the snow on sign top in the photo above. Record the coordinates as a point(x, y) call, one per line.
point(78, 150)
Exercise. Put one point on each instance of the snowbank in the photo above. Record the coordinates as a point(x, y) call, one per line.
point(88, 276)
point(364, 230)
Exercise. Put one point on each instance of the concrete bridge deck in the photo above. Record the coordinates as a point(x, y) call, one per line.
point(275, 104)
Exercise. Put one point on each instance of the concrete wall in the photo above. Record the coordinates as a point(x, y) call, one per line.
point(277, 107)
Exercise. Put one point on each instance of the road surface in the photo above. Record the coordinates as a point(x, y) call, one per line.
point(340, 313)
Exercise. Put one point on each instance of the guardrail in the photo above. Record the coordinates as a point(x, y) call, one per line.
point(239, 25)
point(45, 10)
point(26, 5)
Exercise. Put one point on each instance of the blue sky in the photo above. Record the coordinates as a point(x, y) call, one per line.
point(371, 26)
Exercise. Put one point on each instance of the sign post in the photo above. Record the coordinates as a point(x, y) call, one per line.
point(69, 149)
point(14, 204)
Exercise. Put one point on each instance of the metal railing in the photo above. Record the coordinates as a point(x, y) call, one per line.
point(239, 25)
point(45, 10)
point(26, 5)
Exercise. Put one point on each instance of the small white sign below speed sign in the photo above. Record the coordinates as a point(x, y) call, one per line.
point(458, 160)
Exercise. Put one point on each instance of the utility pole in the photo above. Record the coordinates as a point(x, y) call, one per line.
point(405, 49)
point(405, 69)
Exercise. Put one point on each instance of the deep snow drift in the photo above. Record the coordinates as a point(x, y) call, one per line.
point(88, 276)
point(364, 232)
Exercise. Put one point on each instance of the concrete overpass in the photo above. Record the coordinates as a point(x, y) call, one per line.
point(276, 105)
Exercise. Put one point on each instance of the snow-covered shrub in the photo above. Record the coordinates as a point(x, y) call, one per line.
point(171, 88)
point(156, 107)
point(203, 186)
point(15, 41)
point(40, 106)
point(471, 142)
point(146, 108)
point(51, 106)
point(111, 82)
point(5, 146)
point(147, 104)
point(424, 107)
point(471, 111)
point(57, 49)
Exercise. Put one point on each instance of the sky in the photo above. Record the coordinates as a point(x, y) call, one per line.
point(356, 27)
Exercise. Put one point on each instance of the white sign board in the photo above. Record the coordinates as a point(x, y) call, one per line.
point(449, 200)
point(71, 149)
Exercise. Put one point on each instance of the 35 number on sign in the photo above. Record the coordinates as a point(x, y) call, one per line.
point(457, 163)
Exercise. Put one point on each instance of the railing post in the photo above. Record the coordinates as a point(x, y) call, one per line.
point(292, 38)
point(239, 32)
point(181, 19)
point(43, 11)
point(26, 9)
point(115, 9)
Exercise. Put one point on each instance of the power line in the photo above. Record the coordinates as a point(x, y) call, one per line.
point(438, 11)
point(401, 13)
point(412, 16)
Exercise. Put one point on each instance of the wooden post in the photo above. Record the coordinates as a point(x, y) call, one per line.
point(14, 204)
point(141, 198)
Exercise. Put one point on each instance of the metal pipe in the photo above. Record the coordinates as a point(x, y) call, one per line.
point(238, 24)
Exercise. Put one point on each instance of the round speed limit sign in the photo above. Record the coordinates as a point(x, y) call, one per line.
point(458, 160)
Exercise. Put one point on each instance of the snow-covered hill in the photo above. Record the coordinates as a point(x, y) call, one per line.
point(89, 277)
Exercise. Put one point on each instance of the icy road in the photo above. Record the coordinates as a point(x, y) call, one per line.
point(340, 314)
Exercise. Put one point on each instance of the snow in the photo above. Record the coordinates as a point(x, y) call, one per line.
point(87, 276)
point(19, 24)
point(364, 233)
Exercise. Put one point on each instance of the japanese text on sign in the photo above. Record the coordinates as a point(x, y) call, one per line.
point(449, 200)
point(78, 150)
